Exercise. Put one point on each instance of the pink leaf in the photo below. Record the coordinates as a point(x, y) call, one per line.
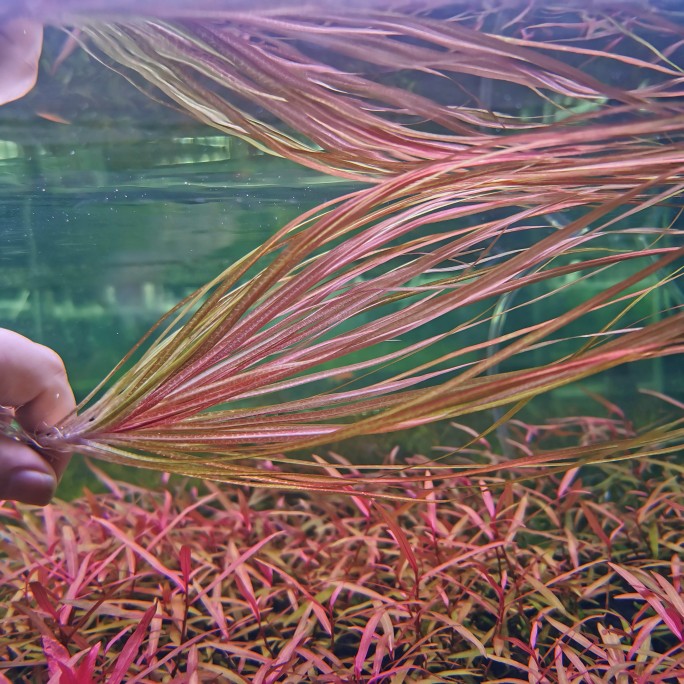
point(55, 654)
point(86, 669)
point(244, 584)
point(365, 642)
point(666, 612)
point(567, 480)
point(488, 500)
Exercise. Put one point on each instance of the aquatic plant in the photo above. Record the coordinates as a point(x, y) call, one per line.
point(375, 308)
point(376, 312)
point(569, 577)
point(375, 89)
point(366, 272)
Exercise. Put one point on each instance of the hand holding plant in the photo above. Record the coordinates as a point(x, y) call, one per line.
point(35, 392)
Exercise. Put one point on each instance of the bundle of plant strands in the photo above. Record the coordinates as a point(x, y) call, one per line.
point(400, 273)
point(378, 89)
point(556, 579)
point(394, 287)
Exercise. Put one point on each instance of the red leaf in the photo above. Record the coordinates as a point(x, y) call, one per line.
point(185, 560)
point(129, 651)
point(595, 524)
point(43, 596)
point(401, 539)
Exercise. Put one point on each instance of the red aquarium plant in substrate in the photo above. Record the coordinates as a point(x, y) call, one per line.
point(510, 576)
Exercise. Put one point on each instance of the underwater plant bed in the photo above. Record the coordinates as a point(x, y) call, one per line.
point(494, 579)
point(513, 228)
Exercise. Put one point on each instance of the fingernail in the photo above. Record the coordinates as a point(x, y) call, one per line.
point(29, 486)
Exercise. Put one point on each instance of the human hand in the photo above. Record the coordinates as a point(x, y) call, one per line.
point(34, 384)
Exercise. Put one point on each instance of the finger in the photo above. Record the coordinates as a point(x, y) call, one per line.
point(35, 383)
point(21, 41)
point(24, 475)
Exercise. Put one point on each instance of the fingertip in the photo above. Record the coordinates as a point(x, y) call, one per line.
point(53, 399)
point(31, 487)
point(25, 475)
